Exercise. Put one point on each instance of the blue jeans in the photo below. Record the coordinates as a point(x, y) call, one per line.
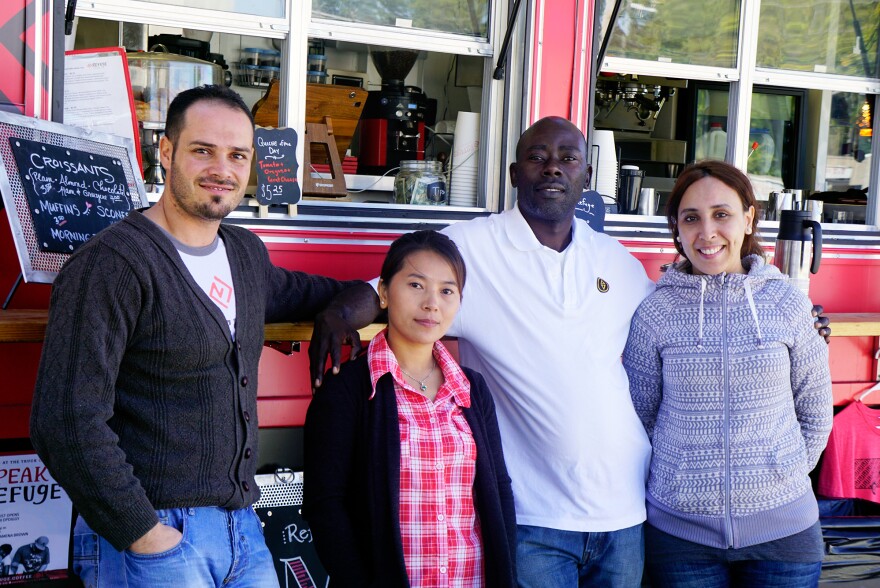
point(219, 548)
point(564, 559)
point(745, 573)
point(791, 562)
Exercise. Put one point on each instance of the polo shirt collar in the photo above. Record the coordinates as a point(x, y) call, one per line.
point(523, 238)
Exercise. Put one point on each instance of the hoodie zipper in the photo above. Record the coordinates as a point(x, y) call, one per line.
point(725, 360)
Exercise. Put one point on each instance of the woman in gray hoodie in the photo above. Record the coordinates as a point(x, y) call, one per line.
point(733, 387)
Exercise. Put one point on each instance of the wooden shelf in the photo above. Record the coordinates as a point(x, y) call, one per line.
point(29, 326)
point(854, 324)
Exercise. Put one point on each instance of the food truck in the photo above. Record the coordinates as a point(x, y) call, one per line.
point(388, 98)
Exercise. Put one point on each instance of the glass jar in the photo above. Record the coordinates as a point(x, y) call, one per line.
point(420, 182)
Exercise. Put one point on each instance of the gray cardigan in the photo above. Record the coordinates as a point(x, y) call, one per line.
point(143, 400)
point(732, 384)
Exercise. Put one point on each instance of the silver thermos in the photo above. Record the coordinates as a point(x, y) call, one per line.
point(798, 247)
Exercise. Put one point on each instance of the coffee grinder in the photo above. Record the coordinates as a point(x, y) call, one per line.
point(392, 125)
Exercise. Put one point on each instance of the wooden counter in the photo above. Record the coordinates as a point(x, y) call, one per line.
point(29, 326)
point(854, 324)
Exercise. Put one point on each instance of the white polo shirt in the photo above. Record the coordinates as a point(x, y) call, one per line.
point(547, 330)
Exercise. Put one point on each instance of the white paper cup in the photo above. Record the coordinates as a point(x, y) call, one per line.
point(466, 142)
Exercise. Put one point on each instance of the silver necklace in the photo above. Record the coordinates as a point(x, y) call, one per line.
point(422, 385)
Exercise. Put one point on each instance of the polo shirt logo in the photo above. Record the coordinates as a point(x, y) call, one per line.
point(602, 285)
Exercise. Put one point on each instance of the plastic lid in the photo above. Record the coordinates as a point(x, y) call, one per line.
point(715, 125)
point(269, 67)
point(314, 73)
point(318, 56)
point(256, 50)
point(629, 167)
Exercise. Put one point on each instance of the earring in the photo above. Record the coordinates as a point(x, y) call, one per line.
point(748, 230)
point(678, 238)
point(382, 303)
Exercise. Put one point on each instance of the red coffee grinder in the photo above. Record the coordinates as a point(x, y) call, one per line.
point(392, 125)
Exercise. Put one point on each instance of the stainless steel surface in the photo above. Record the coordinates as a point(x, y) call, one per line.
point(647, 202)
point(631, 102)
point(793, 258)
point(777, 202)
point(816, 208)
point(798, 251)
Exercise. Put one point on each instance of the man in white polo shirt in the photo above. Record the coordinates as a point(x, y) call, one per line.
point(545, 317)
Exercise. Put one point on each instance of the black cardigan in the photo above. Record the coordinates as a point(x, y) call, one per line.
point(352, 481)
point(143, 400)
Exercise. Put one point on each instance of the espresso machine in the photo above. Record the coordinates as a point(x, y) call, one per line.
point(392, 125)
point(798, 247)
point(156, 78)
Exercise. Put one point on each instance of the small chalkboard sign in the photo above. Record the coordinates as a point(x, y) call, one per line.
point(72, 194)
point(591, 208)
point(276, 166)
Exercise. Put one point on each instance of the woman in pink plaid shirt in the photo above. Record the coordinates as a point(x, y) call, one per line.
point(405, 482)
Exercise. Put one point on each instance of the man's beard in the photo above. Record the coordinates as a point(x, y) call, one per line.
point(183, 193)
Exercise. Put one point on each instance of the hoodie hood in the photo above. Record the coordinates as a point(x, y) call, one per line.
point(691, 288)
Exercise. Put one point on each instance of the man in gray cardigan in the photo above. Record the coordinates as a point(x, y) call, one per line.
point(145, 408)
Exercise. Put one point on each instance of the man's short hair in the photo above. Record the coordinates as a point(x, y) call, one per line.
point(210, 93)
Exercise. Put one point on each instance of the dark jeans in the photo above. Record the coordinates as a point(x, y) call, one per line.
point(675, 563)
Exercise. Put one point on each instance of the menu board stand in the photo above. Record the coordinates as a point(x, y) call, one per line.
point(61, 185)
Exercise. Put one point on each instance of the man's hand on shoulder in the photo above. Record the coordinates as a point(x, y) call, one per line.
point(822, 322)
point(337, 325)
point(331, 332)
point(158, 539)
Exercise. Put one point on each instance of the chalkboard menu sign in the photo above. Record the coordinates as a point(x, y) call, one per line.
point(72, 194)
point(65, 182)
point(276, 166)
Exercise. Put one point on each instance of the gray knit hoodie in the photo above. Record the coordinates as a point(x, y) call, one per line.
point(732, 384)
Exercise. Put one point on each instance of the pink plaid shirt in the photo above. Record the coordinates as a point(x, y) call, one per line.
point(442, 543)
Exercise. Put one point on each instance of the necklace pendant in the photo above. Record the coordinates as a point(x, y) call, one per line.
point(422, 386)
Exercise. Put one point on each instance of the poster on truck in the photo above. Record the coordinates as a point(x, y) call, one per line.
point(35, 522)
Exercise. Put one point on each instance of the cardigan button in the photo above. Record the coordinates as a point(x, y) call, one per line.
point(244, 380)
point(247, 416)
point(248, 453)
point(246, 486)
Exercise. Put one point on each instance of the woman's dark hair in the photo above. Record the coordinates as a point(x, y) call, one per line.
point(423, 241)
point(731, 177)
point(209, 93)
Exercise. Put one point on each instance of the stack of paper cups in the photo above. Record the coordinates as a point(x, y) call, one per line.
point(604, 160)
point(465, 160)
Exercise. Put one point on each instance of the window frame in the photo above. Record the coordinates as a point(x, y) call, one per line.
point(746, 76)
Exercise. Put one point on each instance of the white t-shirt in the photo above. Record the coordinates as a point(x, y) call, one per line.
point(209, 267)
point(547, 330)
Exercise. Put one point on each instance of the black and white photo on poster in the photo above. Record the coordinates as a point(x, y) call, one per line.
point(35, 520)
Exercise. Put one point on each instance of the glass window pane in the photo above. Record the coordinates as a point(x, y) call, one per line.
point(270, 8)
point(772, 145)
point(466, 17)
point(677, 31)
point(848, 164)
point(835, 36)
point(711, 124)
